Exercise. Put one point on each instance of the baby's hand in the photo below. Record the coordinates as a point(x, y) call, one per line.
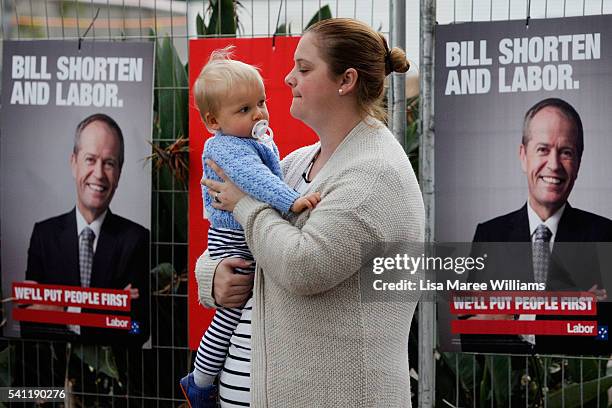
point(309, 201)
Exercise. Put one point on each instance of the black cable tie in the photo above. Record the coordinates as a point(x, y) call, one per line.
point(280, 8)
point(528, 13)
point(88, 28)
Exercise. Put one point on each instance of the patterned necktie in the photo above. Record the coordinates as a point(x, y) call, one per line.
point(541, 253)
point(86, 240)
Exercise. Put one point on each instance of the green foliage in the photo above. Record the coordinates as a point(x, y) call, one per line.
point(502, 381)
point(70, 8)
point(7, 363)
point(570, 395)
point(98, 358)
point(171, 154)
point(499, 378)
point(167, 278)
point(451, 365)
point(223, 18)
point(164, 272)
point(587, 369)
point(171, 96)
point(200, 26)
point(31, 31)
point(283, 29)
point(323, 14)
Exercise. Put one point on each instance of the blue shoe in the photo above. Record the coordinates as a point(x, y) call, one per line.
point(198, 397)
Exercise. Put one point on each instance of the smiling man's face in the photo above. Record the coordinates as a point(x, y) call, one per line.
point(96, 169)
point(550, 160)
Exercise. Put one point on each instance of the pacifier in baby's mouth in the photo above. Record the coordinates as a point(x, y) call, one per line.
point(262, 132)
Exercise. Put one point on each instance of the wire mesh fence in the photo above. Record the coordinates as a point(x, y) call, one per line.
point(457, 11)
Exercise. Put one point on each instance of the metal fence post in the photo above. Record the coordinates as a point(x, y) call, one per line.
point(427, 313)
point(397, 96)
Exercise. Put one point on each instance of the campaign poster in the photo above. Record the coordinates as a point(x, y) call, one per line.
point(75, 208)
point(274, 59)
point(508, 102)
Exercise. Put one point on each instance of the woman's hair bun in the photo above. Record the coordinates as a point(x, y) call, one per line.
point(398, 61)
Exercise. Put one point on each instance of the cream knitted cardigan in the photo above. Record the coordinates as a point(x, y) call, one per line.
point(314, 342)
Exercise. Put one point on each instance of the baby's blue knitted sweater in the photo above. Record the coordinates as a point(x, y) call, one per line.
point(253, 167)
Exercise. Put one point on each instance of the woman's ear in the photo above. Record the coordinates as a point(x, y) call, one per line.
point(348, 82)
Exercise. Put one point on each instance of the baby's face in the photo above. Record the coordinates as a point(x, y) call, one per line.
point(244, 106)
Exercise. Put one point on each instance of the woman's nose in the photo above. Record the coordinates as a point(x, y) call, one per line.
point(289, 79)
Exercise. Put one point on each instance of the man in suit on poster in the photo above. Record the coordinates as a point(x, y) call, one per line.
point(90, 246)
point(550, 155)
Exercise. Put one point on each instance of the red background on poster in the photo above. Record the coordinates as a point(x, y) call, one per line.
point(289, 134)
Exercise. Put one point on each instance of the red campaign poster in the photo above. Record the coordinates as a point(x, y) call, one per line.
point(274, 58)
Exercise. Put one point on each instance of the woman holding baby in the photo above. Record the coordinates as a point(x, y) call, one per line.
point(314, 342)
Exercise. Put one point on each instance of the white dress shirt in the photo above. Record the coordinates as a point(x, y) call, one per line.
point(552, 222)
point(95, 226)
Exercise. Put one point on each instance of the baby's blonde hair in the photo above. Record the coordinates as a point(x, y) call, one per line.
point(218, 77)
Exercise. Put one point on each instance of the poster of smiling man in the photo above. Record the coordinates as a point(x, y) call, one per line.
point(76, 122)
point(523, 161)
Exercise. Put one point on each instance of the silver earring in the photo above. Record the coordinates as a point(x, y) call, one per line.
point(340, 91)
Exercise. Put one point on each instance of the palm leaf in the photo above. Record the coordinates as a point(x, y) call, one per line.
point(323, 14)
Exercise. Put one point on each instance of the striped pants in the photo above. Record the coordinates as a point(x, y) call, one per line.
point(212, 352)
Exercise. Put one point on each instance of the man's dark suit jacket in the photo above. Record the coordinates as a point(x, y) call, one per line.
point(574, 266)
point(121, 258)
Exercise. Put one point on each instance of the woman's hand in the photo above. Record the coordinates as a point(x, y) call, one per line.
point(225, 194)
point(231, 289)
